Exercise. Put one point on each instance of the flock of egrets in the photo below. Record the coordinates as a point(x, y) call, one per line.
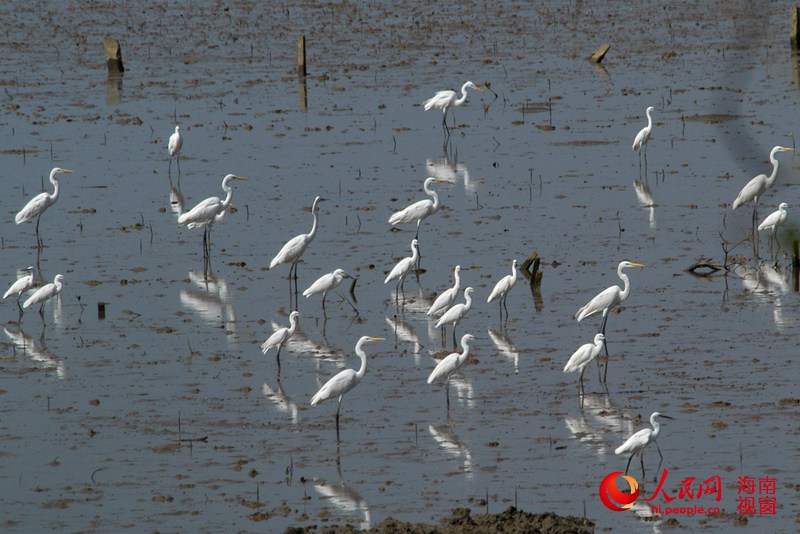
point(444, 310)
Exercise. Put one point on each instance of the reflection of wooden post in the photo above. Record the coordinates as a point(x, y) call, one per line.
point(301, 55)
point(113, 56)
point(793, 32)
point(795, 266)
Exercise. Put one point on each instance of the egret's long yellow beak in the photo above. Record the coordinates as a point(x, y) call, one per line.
point(785, 149)
point(376, 339)
point(241, 177)
point(634, 264)
point(68, 171)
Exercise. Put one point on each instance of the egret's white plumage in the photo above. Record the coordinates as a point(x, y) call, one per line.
point(503, 287)
point(281, 336)
point(447, 297)
point(452, 362)
point(175, 143)
point(583, 356)
point(211, 209)
point(756, 187)
point(39, 204)
point(345, 380)
point(418, 211)
point(403, 267)
point(444, 100)
point(456, 312)
point(775, 219)
point(325, 283)
point(22, 284)
point(293, 250)
point(45, 293)
point(610, 297)
point(637, 443)
point(644, 134)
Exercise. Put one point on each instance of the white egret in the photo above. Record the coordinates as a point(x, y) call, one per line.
point(280, 337)
point(503, 288)
point(774, 219)
point(444, 100)
point(39, 204)
point(756, 187)
point(344, 381)
point(644, 134)
point(293, 250)
point(403, 267)
point(583, 356)
point(419, 211)
point(449, 365)
point(209, 211)
point(325, 283)
point(637, 443)
point(21, 285)
point(45, 293)
point(447, 297)
point(174, 148)
point(456, 312)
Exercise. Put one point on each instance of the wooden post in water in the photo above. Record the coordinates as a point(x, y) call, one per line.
point(598, 55)
point(301, 55)
point(113, 56)
point(795, 29)
point(795, 267)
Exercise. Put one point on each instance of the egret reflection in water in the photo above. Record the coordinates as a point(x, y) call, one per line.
point(451, 444)
point(37, 351)
point(597, 422)
point(211, 300)
point(283, 402)
point(347, 500)
point(766, 283)
point(505, 347)
point(645, 198)
point(450, 169)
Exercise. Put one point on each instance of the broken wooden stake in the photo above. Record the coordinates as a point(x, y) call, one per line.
point(795, 28)
point(530, 269)
point(301, 55)
point(113, 56)
point(598, 55)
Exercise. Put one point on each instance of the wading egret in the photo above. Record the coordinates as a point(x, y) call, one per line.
point(280, 337)
point(403, 267)
point(637, 443)
point(456, 313)
point(503, 288)
point(774, 219)
point(325, 283)
point(22, 284)
point(756, 187)
point(444, 100)
point(209, 211)
point(174, 147)
point(644, 134)
point(39, 204)
point(45, 293)
point(607, 299)
point(449, 365)
point(293, 250)
point(418, 211)
point(344, 381)
point(447, 297)
point(583, 356)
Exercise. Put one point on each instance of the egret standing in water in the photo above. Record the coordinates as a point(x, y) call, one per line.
point(444, 100)
point(607, 299)
point(447, 297)
point(344, 381)
point(174, 148)
point(503, 288)
point(773, 220)
point(449, 365)
point(206, 213)
point(403, 267)
point(280, 337)
point(45, 293)
point(640, 142)
point(39, 204)
point(758, 185)
point(583, 356)
point(419, 211)
point(21, 285)
point(456, 313)
point(637, 443)
point(325, 283)
point(293, 250)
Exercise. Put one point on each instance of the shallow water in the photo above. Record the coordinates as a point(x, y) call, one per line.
point(163, 414)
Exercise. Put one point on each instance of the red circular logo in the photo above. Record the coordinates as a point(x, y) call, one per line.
point(613, 498)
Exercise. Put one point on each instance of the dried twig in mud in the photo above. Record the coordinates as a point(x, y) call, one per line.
point(203, 439)
point(712, 267)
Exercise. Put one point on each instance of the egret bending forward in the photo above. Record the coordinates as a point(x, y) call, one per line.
point(207, 212)
point(607, 299)
point(447, 297)
point(280, 337)
point(403, 267)
point(456, 313)
point(45, 293)
point(325, 283)
point(39, 204)
point(174, 148)
point(449, 365)
point(503, 288)
point(344, 381)
point(756, 187)
point(583, 356)
point(21, 285)
point(419, 211)
point(293, 250)
point(444, 100)
point(637, 443)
